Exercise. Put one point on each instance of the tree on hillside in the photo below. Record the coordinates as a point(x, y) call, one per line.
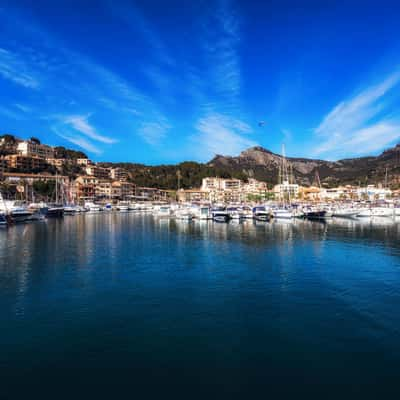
point(35, 140)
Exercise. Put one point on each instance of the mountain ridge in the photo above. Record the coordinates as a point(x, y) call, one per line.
point(263, 164)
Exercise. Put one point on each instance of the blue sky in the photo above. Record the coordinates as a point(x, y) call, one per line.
point(162, 82)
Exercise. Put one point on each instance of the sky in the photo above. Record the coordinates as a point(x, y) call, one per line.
point(160, 82)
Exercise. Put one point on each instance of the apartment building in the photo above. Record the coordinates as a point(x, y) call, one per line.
point(24, 163)
point(118, 174)
point(123, 190)
point(210, 184)
point(85, 187)
point(31, 178)
point(98, 172)
point(285, 190)
point(84, 162)
point(30, 148)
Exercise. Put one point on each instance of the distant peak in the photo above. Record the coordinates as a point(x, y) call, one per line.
point(255, 149)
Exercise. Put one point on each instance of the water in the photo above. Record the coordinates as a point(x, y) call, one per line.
point(123, 305)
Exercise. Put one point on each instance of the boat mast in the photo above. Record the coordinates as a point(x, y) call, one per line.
point(285, 177)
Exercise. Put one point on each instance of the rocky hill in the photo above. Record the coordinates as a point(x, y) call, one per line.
point(262, 164)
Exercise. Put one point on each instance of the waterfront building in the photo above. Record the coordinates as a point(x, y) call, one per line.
point(31, 148)
point(31, 178)
point(211, 184)
point(85, 187)
point(371, 192)
point(192, 195)
point(311, 193)
point(286, 190)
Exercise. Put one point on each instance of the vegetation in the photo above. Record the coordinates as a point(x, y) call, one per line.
point(186, 175)
point(62, 152)
point(44, 189)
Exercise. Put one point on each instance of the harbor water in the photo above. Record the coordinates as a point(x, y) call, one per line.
point(126, 305)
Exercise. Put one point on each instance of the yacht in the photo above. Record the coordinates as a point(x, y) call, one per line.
point(315, 214)
point(282, 213)
point(260, 213)
point(345, 212)
point(203, 213)
point(219, 214)
point(234, 213)
point(381, 212)
point(163, 211)
point(184, 214)
point(123, 206)
point(247, 212)
point(92, 207)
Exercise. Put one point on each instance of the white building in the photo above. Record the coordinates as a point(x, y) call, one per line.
point(371, 192)
point(32, 149)
point(209, 184)
point(286, 189)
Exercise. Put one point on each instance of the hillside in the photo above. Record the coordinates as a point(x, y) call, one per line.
point(264, 165)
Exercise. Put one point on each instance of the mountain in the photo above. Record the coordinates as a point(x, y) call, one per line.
point(262, 164)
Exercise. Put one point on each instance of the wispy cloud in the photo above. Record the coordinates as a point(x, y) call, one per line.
point(220, 134)
point(79, 141)
point(221, 129)
point(81, 123)
point(153, 132)
point(221, 44)
point(23, 108)
point(15, 69)
point(360, 124)
point(7, 112)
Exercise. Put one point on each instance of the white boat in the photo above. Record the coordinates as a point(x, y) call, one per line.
point(123, 206)
point(92, 207)
point(247, 212)
point(234, 213)
point(381, 212)
point(260, 213)
point(345, 212)
point(219, 214)
point(364, 213)
point(282, 213)
point(163, 211)
point(203, 213)
point(184, 214)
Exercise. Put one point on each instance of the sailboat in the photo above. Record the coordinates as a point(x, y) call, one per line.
point(284, 181)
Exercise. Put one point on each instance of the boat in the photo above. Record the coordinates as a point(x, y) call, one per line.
point(203, 213)
point(315, 214)
point(163, 211)
point(55, 211)
point(219, 214)
point(234, 213)
point(260, 213)
point(381, 212)
point(21, 214)
point(282, 213)
point(247, 212)
point(70, 209)
point(123, 206)
point(3, 219)
point(345, 212)
point(92, 207)
point(184, 214)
